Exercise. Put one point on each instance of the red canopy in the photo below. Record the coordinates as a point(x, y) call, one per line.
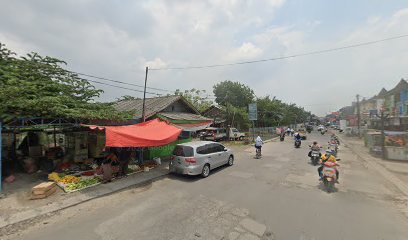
point(148, 134)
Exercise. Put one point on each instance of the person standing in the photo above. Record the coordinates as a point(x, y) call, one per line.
point(107, 166)
point(124, 158)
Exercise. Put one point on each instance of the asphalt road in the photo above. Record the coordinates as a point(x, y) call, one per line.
point(276, 197)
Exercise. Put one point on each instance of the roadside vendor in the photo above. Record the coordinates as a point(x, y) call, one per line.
point(107, 165)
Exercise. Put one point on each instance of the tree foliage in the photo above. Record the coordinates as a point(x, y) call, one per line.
point(235, 97)
point(36, 86)
point(196, 98)
point(274, 112)
point(234, 93)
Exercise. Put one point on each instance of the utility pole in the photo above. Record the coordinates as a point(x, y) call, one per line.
point(358, 114)
point(382, 118)
point(144, 97)
point(144, 112)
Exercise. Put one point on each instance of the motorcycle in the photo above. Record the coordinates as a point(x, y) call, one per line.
point(282, 137)
point(315, 157)
point(329, 176)
point(298, 143)
point(334, 148)
point(258, 154)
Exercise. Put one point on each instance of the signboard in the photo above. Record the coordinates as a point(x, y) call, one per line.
point(252, 112)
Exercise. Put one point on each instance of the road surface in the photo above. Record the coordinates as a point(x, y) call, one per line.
point(276, 197)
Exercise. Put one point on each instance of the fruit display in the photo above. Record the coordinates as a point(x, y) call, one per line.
point(82, 184)
point(69, 179)
point(54, 177)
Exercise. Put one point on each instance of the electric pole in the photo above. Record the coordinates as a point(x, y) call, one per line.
point(144, 98)
point(358, 114)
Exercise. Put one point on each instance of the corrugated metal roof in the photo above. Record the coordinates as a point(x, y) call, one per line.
point(152, 105)
point(184, 116)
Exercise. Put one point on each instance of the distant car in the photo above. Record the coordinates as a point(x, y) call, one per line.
point(195, 158)
point(214, 134)
point(235, 134)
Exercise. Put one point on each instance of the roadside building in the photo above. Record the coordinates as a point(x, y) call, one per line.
point(173, 109)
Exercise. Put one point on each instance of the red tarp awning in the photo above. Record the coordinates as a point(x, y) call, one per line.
point(148, 134)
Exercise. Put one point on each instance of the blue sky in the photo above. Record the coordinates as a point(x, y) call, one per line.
point(117, 41)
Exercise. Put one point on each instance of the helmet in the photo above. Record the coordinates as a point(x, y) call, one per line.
point(314, 142)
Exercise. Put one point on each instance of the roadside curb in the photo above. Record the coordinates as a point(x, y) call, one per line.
point(373, 163)
point(77, 200)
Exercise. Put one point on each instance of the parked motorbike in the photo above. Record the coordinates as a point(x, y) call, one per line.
point(297, 143)
point(329, 176)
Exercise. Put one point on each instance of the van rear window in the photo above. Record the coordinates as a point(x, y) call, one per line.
point(183, 151)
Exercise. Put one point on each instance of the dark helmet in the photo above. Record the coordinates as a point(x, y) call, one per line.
point(314, 142)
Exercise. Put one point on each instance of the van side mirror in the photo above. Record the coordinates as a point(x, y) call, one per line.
point(225, 149)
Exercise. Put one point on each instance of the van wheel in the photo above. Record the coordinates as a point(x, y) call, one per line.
point(230, 160)
point(206, 171)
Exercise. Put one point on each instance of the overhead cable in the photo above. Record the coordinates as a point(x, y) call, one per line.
point(284, 57)
point(116, 81)
point(135, 90)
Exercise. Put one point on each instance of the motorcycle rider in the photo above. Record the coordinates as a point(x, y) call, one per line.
point(258, 144)
point(327, 157)
point(298, 138)
point(314, 147)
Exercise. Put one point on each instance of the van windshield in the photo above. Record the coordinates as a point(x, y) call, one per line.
point(183, 151)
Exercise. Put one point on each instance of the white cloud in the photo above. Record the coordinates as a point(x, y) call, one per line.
point(246, 51)
point(156, 63)
point(276, 3)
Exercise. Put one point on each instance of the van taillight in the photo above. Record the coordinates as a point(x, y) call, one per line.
point(190, 160)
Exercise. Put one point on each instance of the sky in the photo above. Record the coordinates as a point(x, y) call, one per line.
point(118, 39)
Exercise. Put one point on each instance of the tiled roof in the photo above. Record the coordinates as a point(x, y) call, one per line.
point(152, 105)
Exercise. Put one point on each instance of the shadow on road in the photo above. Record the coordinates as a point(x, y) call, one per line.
point(190, 178)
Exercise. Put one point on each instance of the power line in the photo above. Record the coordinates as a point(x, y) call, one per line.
point(131, 89)
point(284, 57)
point(116, 81)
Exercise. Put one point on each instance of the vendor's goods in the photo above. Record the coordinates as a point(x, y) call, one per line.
point(54, 177)
point(82, 184)
point(69, 179)
point(88, 173)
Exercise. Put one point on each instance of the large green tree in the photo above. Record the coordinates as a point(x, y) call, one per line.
point(36, 86)
point(234, 93)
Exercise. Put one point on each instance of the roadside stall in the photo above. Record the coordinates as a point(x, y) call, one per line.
point(396, 145)
point(118, 142)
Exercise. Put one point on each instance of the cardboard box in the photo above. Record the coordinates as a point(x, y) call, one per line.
point(44, 194)
point(42, 188)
